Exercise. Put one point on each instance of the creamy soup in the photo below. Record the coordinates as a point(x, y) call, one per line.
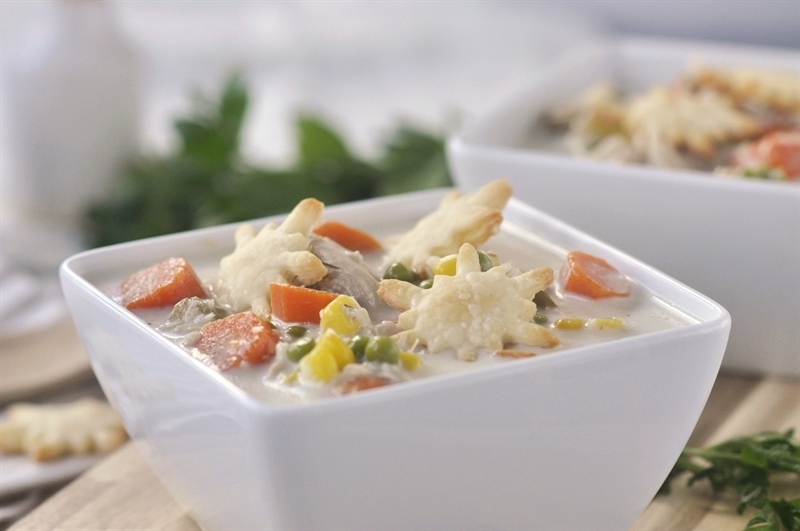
point(576, 321)
point(305, 310)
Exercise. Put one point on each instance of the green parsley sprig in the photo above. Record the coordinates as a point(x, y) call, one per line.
point(746, 465)
point(206, 181)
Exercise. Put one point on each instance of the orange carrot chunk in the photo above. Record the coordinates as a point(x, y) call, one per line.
point(296, 304)
point(591, 276)
point(361, 383)
point(237, 338)
point(347, 236)
point(777, 150)
point(159, 285)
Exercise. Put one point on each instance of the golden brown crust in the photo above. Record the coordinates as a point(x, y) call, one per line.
point(698, 122)
point(512, 353)
point(397, 293)
point(47, 432)
point(274, 254)
point(471, 310)
point(775, 89)
point(469, 218)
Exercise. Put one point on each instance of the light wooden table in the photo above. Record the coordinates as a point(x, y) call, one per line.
point(122, 493)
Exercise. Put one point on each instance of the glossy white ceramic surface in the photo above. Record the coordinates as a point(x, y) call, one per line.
point(516, 446)
point(736, 241)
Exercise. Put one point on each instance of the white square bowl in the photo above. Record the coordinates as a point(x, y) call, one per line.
point(512, 446)
point(737, 241)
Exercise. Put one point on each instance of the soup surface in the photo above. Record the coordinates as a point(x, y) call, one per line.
point(403, 309)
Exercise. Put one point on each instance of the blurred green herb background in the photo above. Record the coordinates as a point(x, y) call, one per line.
point(206, 182)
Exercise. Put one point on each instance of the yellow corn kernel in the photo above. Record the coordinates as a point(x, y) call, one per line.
point(327, 358)
point(445, 266)
point(338, 347)
point(569, 323)
point(335, 316)
point(601, 323)
point(319, 365)
point(410, 360)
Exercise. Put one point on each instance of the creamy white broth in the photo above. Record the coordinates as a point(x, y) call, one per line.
point(640, 312)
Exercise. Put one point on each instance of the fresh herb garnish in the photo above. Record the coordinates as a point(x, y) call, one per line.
point(764, 172)
point(745, 465)
point(206, 181)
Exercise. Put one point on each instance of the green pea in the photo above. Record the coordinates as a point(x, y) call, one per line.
point(357, 344)
point(485, 261)
point(426, 284)
point(540, 318)
point(296, 331)
point(399, 271)
point(382, 349)
point(300, 348)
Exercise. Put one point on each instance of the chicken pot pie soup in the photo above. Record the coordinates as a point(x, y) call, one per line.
point(307, 310)
point(734, 122)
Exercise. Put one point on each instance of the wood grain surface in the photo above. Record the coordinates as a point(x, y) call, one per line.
point(122, 493)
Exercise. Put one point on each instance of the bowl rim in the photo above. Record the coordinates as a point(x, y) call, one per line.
point(459, 147)
point(716, 316)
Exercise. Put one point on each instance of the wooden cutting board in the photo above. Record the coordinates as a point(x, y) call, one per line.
point(122, 493)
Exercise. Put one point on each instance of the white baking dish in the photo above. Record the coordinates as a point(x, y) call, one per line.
point(517, 446)
point(737, 241)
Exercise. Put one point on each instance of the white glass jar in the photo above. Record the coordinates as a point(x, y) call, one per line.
point(71, 117)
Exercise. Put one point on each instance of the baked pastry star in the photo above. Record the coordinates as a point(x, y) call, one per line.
point(471, 310)
point(275, 254)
